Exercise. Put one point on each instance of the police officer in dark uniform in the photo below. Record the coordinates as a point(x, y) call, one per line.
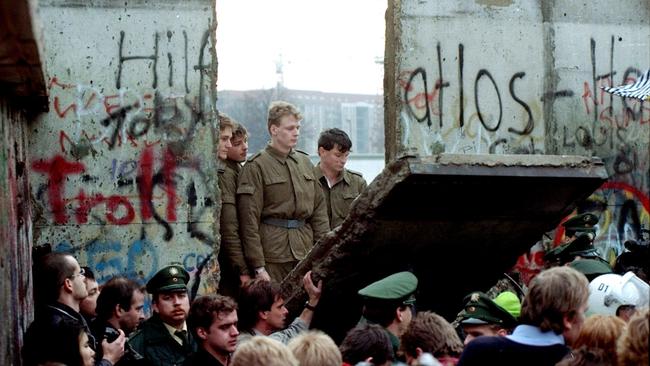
point(163, 339)
point(389, 302)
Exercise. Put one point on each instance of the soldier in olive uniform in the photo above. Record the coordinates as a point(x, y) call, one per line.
point(389, 302)
point(280, 204)
point(163, 339)
point(234, 271)
point(340, 186)
point(483, 316)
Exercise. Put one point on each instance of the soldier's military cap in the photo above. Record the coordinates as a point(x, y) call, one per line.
point(585, 222)
point(170, 278)
point(401, 285)
point(480, 309)
point(580, 246)
point(591, 268)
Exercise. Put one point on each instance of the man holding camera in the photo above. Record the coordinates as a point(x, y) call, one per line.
point(119, 306)
point(163, 339)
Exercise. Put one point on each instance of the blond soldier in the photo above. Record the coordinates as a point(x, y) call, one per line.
point(340, 186)
point(280, 204)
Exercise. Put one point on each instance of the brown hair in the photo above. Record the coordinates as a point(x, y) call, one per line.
point(315, 348)
point(239, 131)
point(632, 348)
point(263, 351)
point(258, 295)
point(601, 332)
point(433, 334)
point(553, 294)
point(205, 309)
point(367, 340)
point(279, 109)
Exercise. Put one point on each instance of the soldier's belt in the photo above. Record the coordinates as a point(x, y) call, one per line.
point(288, 224)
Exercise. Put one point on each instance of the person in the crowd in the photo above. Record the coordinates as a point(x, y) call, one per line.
point(389, 302)
point(262, 310)
point(234, 271)
point(71, 346)
point(163, 339)
point(632, 348)
point(315, 348)
point(280, 204)
point(213, 321)
point(59, 288)
point(120, 306)
point(635, 258)
point(620, 295)
point(340, 185)
point(88, 304)
point(552, 314)
point(482, 316)
point(367, 343)
point(601, 332)
point(263, 351)
point(584, 356)
point(431, 333)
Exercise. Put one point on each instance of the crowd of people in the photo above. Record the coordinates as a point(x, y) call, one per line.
point(274, 208)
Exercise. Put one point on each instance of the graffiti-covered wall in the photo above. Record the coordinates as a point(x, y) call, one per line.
point(122, 167)
point(524, 77)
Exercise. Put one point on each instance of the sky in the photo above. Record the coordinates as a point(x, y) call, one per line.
point(324, 45)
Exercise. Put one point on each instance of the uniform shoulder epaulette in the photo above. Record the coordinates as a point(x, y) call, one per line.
point(302, 152)
point(255, 156)
point(355, 172)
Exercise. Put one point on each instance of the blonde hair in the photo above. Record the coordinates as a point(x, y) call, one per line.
point(225, 121)
point(279, 109)
point(553, 294)
point(632, 347)
point(315, 348)
point(601, 332)
point(263, 351)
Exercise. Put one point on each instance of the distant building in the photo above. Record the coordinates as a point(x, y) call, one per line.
point(360, 115)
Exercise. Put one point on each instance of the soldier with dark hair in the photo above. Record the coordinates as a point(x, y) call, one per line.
point(340, 186)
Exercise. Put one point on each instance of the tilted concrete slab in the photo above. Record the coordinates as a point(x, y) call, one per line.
point(457, 221)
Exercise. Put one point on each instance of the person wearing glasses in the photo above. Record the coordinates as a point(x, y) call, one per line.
point(390, 303)
point(59, 288)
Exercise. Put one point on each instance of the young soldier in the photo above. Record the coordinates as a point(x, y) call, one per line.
point(280, 204)
point(163, 339)
point(340, 186)
point(234, 271)
point(482, 316)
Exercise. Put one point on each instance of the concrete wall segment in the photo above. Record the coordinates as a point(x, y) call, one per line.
point(124, 175)
point(524, 77)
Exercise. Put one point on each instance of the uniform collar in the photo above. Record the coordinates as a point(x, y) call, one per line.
point(533, 336)
point(233, 165)
point(345, 175)
point(280, 156)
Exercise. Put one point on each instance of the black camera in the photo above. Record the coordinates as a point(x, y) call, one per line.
point(111, 334)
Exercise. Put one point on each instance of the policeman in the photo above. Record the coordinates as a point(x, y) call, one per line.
point(389, 302)
point(483, 316)
point(578, 224)
point(280, 204)
point(163, 339)
point(340, 186)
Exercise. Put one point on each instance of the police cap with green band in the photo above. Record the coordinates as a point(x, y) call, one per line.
point(480, 309)
point(585, 222)
point(169, 279)
point(398, 286)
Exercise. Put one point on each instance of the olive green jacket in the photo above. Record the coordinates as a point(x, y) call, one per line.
point(272, 185)
point(231, 248)
point(339, 198)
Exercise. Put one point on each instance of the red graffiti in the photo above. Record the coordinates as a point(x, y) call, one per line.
point(57, 169)
point(119, 208)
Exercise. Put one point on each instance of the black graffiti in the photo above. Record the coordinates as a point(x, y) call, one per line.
point(122, 59)
point(480, 74)
point(119, 116)
point(531, 123)
point(461, 106)
point(427, 115)
point(192, 201)
point(629, 210)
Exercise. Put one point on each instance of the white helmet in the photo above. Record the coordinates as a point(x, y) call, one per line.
point(610, 291)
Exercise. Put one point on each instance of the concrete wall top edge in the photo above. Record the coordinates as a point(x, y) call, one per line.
point(127, 4)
